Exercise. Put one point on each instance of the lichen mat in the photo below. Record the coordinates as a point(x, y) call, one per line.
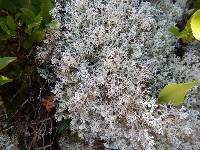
point(109, 61)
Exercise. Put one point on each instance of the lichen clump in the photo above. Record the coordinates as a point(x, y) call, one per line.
point(108, 61)
point(7, 143)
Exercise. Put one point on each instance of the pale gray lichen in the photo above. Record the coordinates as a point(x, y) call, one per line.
point(7, 143)
point(109, 61)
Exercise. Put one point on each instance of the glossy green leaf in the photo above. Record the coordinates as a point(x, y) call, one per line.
point(37, 36)
point(46, 6)
point(4, 61)
point(11, 23)
point(4, 80)
point(55, 25)
point(195, 24)
point(175, 93)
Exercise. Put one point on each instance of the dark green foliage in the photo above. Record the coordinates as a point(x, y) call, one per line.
point(22, 24)
point(24, 20)
point(45, 6)
point(11, 23)
point(64, 126)
point(37, 36)
point(196, 4)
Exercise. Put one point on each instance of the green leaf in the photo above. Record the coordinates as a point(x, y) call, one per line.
point(17, 15)
point(37, 36)
point(35, 25)
point(4, 80)
point(46, 6)
point(175, 93)
point(4, 27)
point(28, 13)
point(185, 35)
point(4, 61)
point(26, 17)
point(37, 21)
point(27, 43)
point(55, 25)
point(11, 23)
point(23, 3)
point(130, 52)
point(13, 33)
point(174, 30)
point(195, 24)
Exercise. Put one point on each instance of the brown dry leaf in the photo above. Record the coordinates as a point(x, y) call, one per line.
point(48, 103)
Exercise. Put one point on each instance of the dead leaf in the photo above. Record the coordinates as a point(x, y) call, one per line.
point(48, 103)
